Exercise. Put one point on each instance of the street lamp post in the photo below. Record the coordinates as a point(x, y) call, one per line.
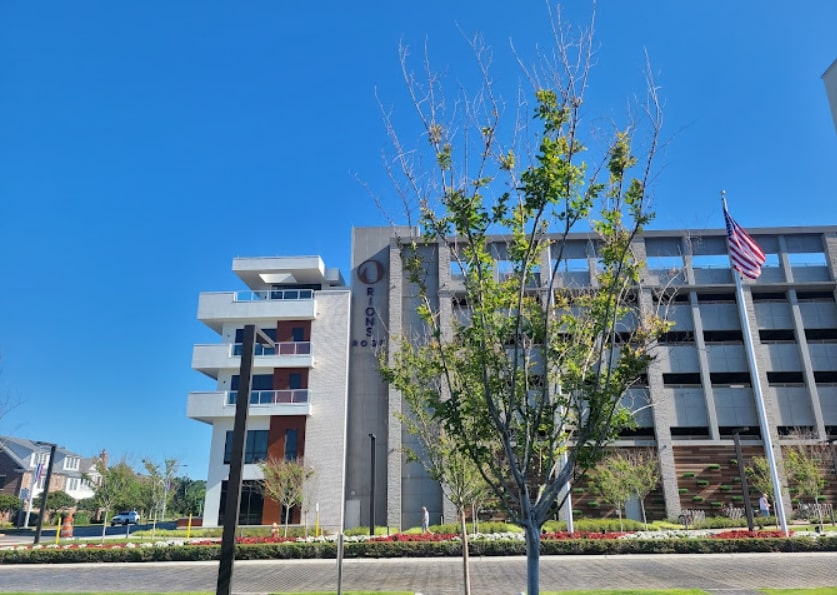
point(372, 491)
point(748, 507)
point(45, 493)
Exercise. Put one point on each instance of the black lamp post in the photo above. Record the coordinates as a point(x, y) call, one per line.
point(45, 493)
point(372, 491)
point(748, 507)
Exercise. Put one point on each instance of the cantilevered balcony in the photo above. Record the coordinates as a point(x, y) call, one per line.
point(210, 359)
point(269, 304)
point(208, 406)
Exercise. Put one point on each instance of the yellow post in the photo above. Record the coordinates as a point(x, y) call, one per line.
point(58, 530)
point(189, 526)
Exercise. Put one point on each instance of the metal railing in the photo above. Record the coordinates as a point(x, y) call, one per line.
point(261, 295)
point(293, 396)
point(283, 348)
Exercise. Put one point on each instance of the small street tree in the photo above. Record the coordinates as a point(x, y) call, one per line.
point(804, 468)
point(646, 468)
point(118, 489)
point(612, 481)
point(284, 482)
point(524, 373)
point(461, 481)
point(58, 501)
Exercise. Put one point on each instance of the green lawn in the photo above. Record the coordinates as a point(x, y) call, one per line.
point(819, 591)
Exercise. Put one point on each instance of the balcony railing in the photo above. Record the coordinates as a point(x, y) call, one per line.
point(262, 295)
point(273, 397)
point(284, 348)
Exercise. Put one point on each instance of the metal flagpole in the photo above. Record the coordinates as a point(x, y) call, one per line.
point(765, 429)
point(754, 380)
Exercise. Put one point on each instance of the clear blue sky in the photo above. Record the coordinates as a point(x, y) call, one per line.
point(145, 145)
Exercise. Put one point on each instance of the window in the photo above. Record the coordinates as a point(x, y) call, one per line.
point(250, 505)
point(2, 481)
point(681, 380)
point(776, 335)
point(677, 337)
point(294, 380)
point(260, 382)
point(716, 298)
point(71, 463)
point(815, 296)
point(723, 336)
point(784, 378)
point(821, 335)
point(769, 296)
point(730, 378)
point(826, 377)
point(72, 484)
point(291, 444)
point(255, 447)
point(297, 334)
point(671, 297)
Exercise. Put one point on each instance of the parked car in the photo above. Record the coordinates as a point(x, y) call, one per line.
point(127, 517)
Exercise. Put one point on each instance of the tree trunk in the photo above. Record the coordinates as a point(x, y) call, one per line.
point(466, 562)
point(533, 557)
point(287, 518)
point(644, 518)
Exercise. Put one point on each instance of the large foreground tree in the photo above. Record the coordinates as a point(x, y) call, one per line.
point(527, 375)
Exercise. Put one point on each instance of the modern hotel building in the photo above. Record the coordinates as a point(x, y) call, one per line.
point(317, 392)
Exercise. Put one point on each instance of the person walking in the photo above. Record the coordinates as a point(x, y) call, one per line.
point(425, 520)
point(764, 505)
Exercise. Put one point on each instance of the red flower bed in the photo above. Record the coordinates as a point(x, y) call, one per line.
point(745, 534)
point(562, 535)
point(416, 537)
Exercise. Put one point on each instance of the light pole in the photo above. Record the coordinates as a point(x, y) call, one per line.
point(748, 507)
point(45, 493)
point(372, 491)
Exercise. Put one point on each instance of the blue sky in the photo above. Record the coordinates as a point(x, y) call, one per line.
point(143, 146)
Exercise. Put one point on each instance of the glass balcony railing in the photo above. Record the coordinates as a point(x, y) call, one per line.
point(272, 397)
point(262, 295)
point(284, 348)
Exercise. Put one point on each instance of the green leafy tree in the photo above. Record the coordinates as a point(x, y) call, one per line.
point(57, 501)
point(612, 481)
point(759, 477)
point(529, 378)
point(461, 481)
point(188, 495)
point(284, 482)
point(157, 486)
point(646, 468)
point(803, 467)
point(118, 489)
point(9, 504)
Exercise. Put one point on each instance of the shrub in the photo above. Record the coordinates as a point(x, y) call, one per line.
point(713, 466)
point(702, 482)
point(688, 474)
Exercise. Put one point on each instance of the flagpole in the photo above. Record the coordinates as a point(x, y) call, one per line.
point(760, 408)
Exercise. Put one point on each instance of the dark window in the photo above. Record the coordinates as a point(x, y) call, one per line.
point(679, 297)
point(748, 432)
point(826, 335)
point(776, 335)
point(2, 481)
point(723, 336)
point(769, 296)
point(291, 445)
point(729, 378)
point(297, 334)
point(784, 378)
point(794, 430)
point(641, 381)
point(260, 382)
point(255, 447)
point(693, 432)
point(692, 379)
point(294, 380)
point(636, 433)
point(825, 377)
point(677, 337)
point(815, 296)
point(716, 298)
point(250, 506)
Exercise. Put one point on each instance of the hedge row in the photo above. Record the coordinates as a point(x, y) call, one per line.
point(372, 549)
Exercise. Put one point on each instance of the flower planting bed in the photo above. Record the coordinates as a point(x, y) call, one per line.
point(424, 545)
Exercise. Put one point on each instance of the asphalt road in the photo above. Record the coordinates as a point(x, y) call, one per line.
point(723, 574)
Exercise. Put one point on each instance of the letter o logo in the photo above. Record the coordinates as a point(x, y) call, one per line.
point(370, 272)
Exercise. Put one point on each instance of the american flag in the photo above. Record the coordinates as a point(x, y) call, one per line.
point(38, 472)
point(744, 253)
